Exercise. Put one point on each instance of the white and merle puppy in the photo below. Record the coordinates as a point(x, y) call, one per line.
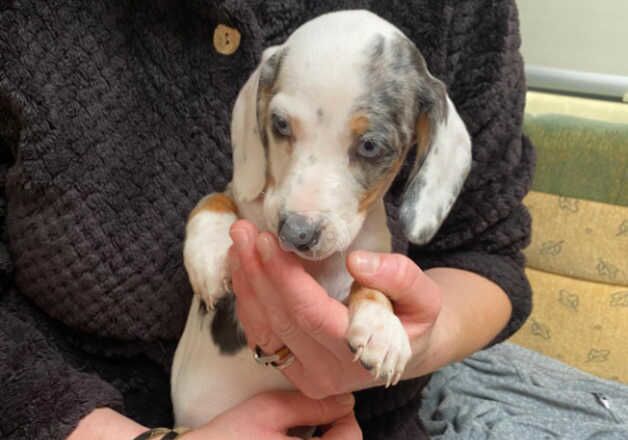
point(319, 132)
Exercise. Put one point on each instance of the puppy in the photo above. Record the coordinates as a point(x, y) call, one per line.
point(319, 131)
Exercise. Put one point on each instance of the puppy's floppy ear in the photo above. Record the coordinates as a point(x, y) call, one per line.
point(443, 161)
point(248, 136)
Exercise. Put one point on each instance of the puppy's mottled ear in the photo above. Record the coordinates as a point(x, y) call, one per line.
point(443, 161)
point(248, 134)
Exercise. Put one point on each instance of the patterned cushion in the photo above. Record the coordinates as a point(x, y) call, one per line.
point(580, 322)
point(578, 238)
point(577, 260)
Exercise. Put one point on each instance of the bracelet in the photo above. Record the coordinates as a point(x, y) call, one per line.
point(162, 433)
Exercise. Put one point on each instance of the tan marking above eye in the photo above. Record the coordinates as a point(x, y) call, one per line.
point(295, 127)
point(359, 124)
point(216, 203)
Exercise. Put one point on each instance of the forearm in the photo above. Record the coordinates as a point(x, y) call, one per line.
point(473, 312)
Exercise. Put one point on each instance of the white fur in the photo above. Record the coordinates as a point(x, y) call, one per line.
point(380, 338)
point(445, 168)
point(204, 253)
point(249, 171)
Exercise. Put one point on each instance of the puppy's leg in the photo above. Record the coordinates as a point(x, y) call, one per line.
point(206, 245)
point(376, 334)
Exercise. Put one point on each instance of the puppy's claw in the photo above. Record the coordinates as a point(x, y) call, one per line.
point(397, 378)
point(389, 378)
point(358, 353)
point(378, 370)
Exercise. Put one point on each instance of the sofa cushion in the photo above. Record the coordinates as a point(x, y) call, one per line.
point(580, 158)
point(576, 262)
point(581, 323)
point(578, 238)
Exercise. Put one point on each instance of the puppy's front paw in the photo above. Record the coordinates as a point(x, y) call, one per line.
point(379, 341)
point(207, 271)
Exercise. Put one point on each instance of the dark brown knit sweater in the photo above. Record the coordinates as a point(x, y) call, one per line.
point(114, 121)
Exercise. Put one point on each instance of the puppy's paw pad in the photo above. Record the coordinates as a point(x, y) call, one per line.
point(379, 341)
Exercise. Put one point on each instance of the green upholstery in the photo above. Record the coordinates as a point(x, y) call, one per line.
point(580, 158)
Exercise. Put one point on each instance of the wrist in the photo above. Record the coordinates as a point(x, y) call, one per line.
point(473, 311)
point(435, 346)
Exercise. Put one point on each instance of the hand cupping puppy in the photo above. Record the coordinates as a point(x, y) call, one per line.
point(280, 304)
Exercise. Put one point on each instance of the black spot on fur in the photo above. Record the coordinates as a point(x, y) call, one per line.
point(225, 330)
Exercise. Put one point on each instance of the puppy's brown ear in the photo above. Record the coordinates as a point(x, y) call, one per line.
point(248, 133)
point(443, 161)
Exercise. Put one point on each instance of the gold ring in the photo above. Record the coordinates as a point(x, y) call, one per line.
point(280, 359)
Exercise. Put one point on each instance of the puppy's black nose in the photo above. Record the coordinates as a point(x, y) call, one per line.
point(299, 232)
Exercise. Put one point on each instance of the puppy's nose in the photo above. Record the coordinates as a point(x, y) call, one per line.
point(299, 232)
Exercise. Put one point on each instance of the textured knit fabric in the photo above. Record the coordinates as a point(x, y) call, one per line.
point(114, 122)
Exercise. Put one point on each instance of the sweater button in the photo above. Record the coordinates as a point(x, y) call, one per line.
point(226, 39)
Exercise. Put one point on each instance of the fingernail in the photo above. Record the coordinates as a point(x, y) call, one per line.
point(345, 399)
point(365, 262)
point(264, 247)
point(240, 238)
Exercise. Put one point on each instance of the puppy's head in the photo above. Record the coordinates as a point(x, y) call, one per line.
point(324, 124)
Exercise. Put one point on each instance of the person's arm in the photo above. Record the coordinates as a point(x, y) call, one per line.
point(464, 325)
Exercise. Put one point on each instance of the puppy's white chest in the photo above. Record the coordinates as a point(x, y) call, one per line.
point(332, 276)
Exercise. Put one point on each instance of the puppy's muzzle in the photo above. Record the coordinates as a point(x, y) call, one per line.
point(298, 232)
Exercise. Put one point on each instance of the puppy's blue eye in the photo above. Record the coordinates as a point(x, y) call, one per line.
point(369, 149)
point(281, 126)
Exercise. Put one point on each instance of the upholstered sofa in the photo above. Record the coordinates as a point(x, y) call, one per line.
point(563, 375)
point(578, 258)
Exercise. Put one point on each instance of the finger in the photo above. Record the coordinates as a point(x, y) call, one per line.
point(400, 279)
point(345, 428)
point(284, 322)
point(319, 316)
point(250, 312)
point(281, 410)
point(243, 234)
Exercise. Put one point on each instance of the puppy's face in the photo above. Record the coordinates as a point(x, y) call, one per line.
point(337, 110)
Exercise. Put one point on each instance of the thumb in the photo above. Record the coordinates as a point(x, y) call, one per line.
point(286, 409)
point(399, 278)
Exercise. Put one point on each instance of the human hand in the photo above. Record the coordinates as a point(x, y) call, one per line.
point(266, 416)
point(279, 303)
point(269, 415)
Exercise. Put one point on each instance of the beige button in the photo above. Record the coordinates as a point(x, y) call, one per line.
point(226, 39)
